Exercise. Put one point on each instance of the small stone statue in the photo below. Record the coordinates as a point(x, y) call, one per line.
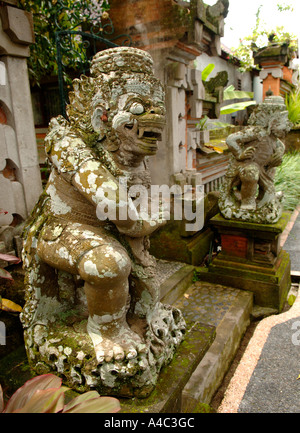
point(92, 308)
point(248, 192)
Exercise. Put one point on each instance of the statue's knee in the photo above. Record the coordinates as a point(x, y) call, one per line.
point(104, 265)
point(250, 173)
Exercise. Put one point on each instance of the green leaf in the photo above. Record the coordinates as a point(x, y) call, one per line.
point(202, 123)
point(207, 71)
point(293, 106)
point(291, 299)
point(231, 93)
point(232, 108)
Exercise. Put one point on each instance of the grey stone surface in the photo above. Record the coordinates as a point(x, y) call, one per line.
point(228, 310)
point(18, 150)
point(206, 302)
point(292, 245)
point(273, 387)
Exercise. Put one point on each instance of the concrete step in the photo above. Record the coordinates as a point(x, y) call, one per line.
point(229, 311)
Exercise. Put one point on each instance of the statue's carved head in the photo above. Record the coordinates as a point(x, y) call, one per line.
point(271, 115)
point(122, 103)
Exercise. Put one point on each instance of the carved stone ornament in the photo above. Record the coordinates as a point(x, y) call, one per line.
point(248, 192)
point(92, 310)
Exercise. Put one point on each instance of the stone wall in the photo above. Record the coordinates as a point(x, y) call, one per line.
point(175, 34)
point(20, 182)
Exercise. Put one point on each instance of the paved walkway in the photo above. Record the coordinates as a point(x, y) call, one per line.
point(266, 379)
point(292, 243)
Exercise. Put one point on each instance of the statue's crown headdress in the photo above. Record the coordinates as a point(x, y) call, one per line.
point(125, 59)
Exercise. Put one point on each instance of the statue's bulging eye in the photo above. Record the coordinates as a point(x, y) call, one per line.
point(136, 108)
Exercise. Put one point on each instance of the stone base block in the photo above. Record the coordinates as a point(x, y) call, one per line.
point(168, 244)
point(270, 289)
point(252, 259)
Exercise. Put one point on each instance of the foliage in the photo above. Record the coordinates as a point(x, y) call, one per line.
point(6, 304)
point(285, 7)
point(291, 300)
point(50, 16)
point(11, 259)
point(9, 306)
point(238, 106)
point(45, 394)
point(207, 71)
point(260, 37)
point(230, 93)
point(287, 180)
point(202, 123)
point(292, 102)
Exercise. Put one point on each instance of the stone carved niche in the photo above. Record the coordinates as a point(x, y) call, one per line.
point(92, 310)
point(248, 192)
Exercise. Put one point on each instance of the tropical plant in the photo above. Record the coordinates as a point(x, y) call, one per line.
point(45, 394)
point(6, 304)
point(207, 71)
point(287, 180)
point(9, 306)
point(11, 259)
point(292, 102)
point(230, 93)
point(260, 37)
point(50, 16)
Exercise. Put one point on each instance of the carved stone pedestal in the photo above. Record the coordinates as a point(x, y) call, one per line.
point(252, 259)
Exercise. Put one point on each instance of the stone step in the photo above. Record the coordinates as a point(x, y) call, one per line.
point(229, 311)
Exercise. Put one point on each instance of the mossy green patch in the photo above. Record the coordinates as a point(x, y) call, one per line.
point(14, 371)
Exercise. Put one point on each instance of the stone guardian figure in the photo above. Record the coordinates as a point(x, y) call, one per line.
point(92, 308)
point(248, 192)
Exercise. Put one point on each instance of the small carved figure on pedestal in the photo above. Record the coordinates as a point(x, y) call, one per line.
point(248, 192)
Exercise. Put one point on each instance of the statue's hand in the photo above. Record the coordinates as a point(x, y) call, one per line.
point(246, 154)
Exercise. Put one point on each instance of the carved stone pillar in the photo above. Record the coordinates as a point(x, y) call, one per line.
point(20, 181)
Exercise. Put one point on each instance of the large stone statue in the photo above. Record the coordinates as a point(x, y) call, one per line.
point(248, 192)
point(92, 308)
